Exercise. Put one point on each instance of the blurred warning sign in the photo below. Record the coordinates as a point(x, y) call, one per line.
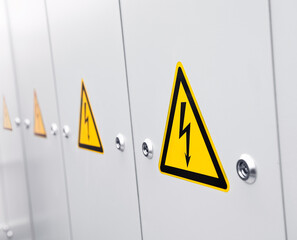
point(39, 129)
point(188, 151)
point(6, 118)
point(88, 136)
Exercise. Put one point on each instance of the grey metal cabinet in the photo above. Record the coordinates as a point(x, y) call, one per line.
point(14, 191)
point(3, 217)
point(87, 44)
point(47, 187)
point(226, 53)
point(284, 37)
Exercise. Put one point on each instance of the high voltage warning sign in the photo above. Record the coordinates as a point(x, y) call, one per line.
point(88, 136)
point(188, 151)
point(39, 128)
point(6, 118)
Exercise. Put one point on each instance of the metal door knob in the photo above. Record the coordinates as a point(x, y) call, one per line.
point(9, 234)
point(147, 148)
point(66, 131)
point(120, 142)
point(27, 123)
point(17, 121)
point(246, 168)
point(54, 129)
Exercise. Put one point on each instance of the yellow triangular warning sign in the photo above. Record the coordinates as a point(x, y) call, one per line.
point(88, 136)
point(6, 118)
point(188, 151)
point(39, 129)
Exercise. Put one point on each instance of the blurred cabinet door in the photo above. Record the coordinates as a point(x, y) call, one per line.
point(285, 58)
point(34, 73)
point(87, 44)
point(226, 53)
point(3, 208)
point(13, 178)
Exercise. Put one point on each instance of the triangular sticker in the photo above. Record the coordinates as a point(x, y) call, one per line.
point(39, 128)
point(6, 118)
point(188, 151)
point(88, 136)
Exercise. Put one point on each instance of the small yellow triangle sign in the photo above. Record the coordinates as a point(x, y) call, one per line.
point(39, 128)
point(6, 118)
point(188, 151)
point(88, 137)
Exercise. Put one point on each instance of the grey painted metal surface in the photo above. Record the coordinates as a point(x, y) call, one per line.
point(13, 178)
point(3, 209)
point(226, 52)
point(285, 58)
point(86, 44)
point(44, 155)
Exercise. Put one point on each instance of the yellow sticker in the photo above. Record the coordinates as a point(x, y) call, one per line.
point(6, 118)
point(39, 128)
point(188, 151)
point(88, 136)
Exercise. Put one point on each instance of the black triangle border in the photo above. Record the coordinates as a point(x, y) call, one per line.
point(219, 182)
point(86, 146)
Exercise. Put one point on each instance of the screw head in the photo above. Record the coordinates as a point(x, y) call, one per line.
point(17, 121)
point(120, 142)
point(147, 148)
point(246, 168)
point(66, 131)
point(54, 129)
point(27, 123)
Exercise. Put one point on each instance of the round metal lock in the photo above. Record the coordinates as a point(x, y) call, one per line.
point(17, 121)
point(246, 168)
point(147, 148)
point(120, 142)
point(66, 131)
point(27, 123)
point(54, 129)
point(9, 234)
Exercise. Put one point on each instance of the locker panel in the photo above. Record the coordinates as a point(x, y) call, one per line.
point(13, 178)
point(34, 72)
point(87, 44)
point(3, 218)
point(225, 50)
point(285, 50)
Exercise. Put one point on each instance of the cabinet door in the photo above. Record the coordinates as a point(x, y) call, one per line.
point(34, 74)
point(225, 50)
point(285, 58)
point(87, 45)
point(13, 178)
point(3, 208)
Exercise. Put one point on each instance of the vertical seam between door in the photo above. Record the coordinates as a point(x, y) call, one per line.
point(276, 116)
point(19, 110)
point(130, 113)
point(59, 120)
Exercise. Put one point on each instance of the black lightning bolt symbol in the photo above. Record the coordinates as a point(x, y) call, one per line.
point(86, 120)
point(185, 130)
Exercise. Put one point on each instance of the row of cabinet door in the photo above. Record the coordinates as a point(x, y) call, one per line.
point(126, 52)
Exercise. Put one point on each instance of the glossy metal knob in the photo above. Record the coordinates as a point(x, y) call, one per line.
point(66, 131)
point(246, 168)
point(27, 123)
point(147, 148)
point(54, 129)
point(120, 142)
